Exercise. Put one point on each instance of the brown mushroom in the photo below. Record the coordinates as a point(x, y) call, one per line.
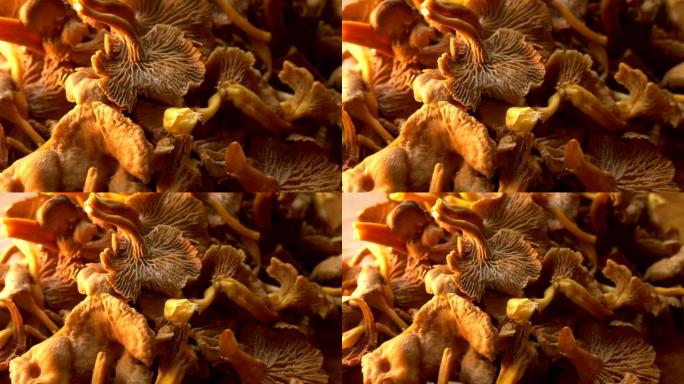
point(160, 64)
point(311, 99)
point(297, 291)
point(475, 65)
point(161, 260)
point(630, 291)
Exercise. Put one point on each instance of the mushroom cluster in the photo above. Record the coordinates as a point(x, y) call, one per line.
point(512, 95)
point(171, 288)
point(515, 288)
point(170, 95)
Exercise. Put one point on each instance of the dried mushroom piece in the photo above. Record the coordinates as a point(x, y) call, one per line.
point(161, 260)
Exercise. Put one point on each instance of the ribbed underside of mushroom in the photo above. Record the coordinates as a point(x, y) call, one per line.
point(511, 68)
point(170, 65)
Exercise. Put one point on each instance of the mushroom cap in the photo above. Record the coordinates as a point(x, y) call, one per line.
point(192, 17)
point(92, 280)
point(98, 322)
point(646, 99)
point(532, 18)
point(408, 219)
point(170, 66)
point(226, 261)
point(460, 132)
point(169, 261)
point(312, 99)
point(517, 212)
point(636, 164)
point(510, 264)
point(42, 16)
point(570, 66)
point(179, 210)
point(59, 215)
point(95, 135)
point(300, 167)
point(287, 355)
point(297, 291)
point(622, 352)
point(630, 291)
point(52, 361)
point(232, 65)
point(511, 69)
point(392, 18)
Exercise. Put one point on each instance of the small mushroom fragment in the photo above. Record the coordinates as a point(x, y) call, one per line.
point(161, 260)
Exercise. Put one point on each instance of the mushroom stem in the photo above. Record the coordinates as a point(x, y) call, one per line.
point(586, 102)
point(350, 140)
point(586, 363)
point(6, 334)
point(12, 115)
point(379, 234)
point(206, 300)
point(580, 296)
point(577, 24)
point(33, 332)
point(12, 31)
point(115, 7)
point(332, 291)
point(229, 219)
point(460, 19)
point(368, 143)
point(252, 247)
point(385, 330)
point(382, 306)
point(18, 146)
point(253, 106)
point(351, 336)
point(100, 374)
point(29, 230)
point(669, 291)
point(512, 371)
point(609, 13)
point(361, 55)
point(250, 369)
point(381, 259)
point(368, 323)
point(211, 109)
point(453, 218)
point(250, 177)
point(17, 323)
point(242, 22)
point(589, 251)
point(97, 209)
point(31, 306)
point(91, 182)
point(243, 297)
point(446, 366)
point(263, 52)
point(456, 201)
point(362, 113)
point(592, 177)
point(678, 98)
point(570, 225)
point(120, 25)
point(437, 179)
point(13, 57)
point(355, 32)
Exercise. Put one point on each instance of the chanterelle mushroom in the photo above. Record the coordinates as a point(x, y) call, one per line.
point(161, 260)
point(161, 64)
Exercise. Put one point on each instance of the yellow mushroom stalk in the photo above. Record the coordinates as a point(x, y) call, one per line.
point(242, 22)
point(182, 120)
point(578, 25)
point(250, 177)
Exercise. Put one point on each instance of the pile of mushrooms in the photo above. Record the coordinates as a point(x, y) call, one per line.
point(515, 288)
point(512, 95)
point(171, 288)
point(169, 95)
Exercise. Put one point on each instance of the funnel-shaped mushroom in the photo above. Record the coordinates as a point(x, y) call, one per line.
point(503, 66)
point(632, 165)
point(311, 100)
point(437, 133)
point(161, 64)
point(273, 357)
point(505, 262)
point(630, 291)
point(162, 260)
point(297, 291)
point(646, 99)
